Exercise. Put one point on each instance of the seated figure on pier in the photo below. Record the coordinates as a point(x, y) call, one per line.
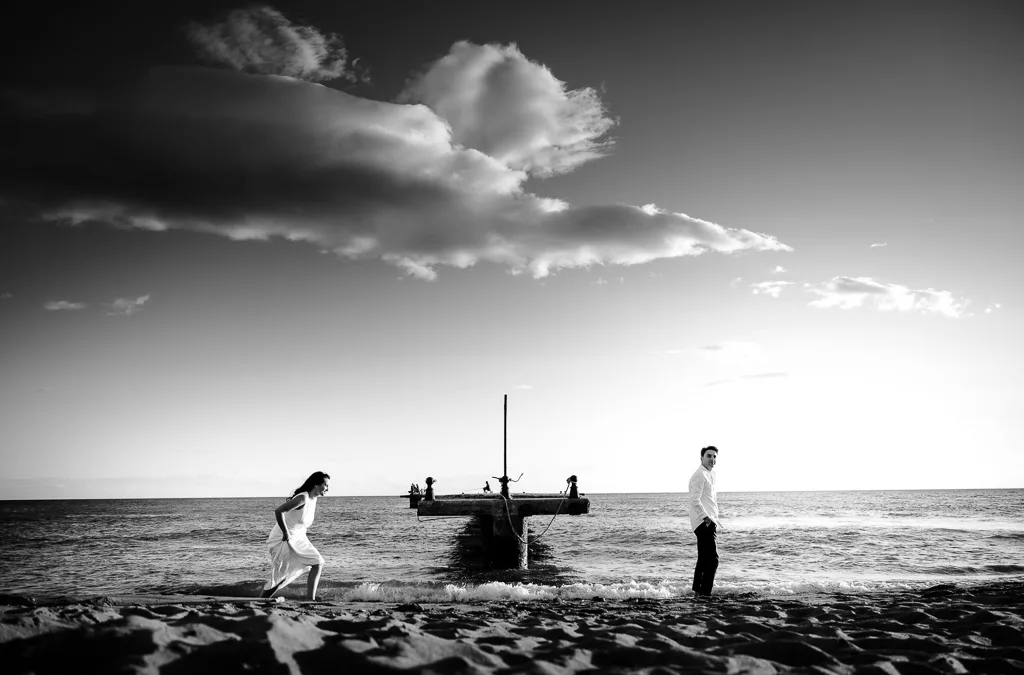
point(573, 490)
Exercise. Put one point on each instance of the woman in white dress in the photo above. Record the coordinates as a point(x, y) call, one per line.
point(291, 552)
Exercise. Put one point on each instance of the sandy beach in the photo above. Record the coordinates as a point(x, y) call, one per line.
point(944, 629)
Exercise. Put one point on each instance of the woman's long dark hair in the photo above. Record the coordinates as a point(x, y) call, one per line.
point(315, 478)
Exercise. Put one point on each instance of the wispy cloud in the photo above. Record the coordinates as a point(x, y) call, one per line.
point(261, 40)
point(523, 386)
point(731, 351)
point(6, 296)
point(64, 306)
point(778, 269)
point(770, 288)
point(753, 376)
point(852, 292)
point(879, 245)
point(410, 266)
point(127, 306)
point(993, 307)
point(436, 181)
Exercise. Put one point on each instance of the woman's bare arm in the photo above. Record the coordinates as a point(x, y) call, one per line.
point(290, 505)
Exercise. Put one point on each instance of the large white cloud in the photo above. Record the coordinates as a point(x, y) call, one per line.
point(260, 156)
point(851, 292)
point(513, 109)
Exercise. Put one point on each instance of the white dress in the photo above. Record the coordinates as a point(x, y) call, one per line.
point(289, 560)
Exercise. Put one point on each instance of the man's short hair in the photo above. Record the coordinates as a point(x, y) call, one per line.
point(710, 447)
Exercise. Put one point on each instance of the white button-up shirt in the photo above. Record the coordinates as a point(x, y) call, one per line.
point(703, 498)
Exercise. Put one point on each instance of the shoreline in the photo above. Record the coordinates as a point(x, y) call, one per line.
point(943, 629)
point(335, 595)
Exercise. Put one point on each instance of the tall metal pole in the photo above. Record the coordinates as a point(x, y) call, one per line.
point(505, 439)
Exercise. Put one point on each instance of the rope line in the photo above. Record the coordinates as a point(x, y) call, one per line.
point(508, 515)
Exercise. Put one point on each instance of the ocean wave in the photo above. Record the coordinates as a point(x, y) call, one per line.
point(1015, 536)
point(1005, 569)
point(210, 535)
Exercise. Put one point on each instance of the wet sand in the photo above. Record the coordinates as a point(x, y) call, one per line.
point(944, 629)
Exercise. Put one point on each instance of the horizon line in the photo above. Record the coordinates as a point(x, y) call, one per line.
point(405, 495)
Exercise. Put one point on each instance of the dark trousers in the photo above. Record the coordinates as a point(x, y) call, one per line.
point(707, 559)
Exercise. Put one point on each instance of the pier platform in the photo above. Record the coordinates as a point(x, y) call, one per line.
point(524, 504)
point(504, 529)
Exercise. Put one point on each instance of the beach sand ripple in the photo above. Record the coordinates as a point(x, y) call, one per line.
point(941, 630)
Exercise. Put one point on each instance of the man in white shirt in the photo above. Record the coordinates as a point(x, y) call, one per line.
point(704, 521)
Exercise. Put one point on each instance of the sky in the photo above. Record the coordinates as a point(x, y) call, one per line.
point(243, 243)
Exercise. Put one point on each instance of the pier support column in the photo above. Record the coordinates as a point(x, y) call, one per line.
point(506, 549)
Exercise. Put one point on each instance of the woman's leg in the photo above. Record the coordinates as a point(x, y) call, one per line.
point(269, 592)
point(312, 581)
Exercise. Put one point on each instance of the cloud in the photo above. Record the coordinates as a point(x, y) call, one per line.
point(753, 376)
point(512, 109)
point(852, 292)
point(778, 269)
point(6, 296)
point(127, 306)
point(731, 351)
point(770, 288)
point(523, 386)
point(879, 245)
point(64, 305)
point(993, 307)
point(262, 157)
point(261, 40)
point(411, 267)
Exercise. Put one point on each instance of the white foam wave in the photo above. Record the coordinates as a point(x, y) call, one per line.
point(500, 591)
point(870, 521)
point(497, 590)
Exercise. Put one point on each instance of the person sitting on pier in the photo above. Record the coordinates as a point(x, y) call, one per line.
point(487, 486)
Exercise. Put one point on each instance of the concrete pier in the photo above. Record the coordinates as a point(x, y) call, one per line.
point(503, 524)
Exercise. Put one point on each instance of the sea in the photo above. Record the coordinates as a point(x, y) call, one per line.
point(628, 546)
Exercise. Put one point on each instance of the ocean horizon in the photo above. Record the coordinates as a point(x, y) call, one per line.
point(400, 494)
